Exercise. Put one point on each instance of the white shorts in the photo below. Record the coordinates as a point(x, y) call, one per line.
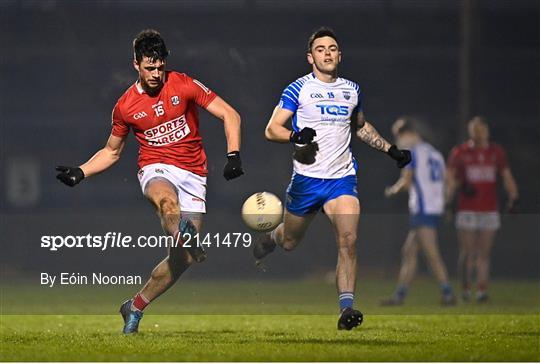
point(471, 220)
point(190, 187)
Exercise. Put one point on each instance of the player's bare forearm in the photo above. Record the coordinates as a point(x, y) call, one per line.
point(401, 185)
point(278, 134)
point(369, 135)
point(451, 185)
point(510, 185)
point(231, 122)
point(105, 157)
point(275, 130)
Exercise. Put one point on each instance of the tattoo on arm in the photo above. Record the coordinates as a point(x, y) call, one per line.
point(371, 137)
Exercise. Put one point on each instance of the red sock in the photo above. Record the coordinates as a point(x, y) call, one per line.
point(140, 302)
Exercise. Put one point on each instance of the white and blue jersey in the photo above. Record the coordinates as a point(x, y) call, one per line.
point(426, 194)
point(327, 108)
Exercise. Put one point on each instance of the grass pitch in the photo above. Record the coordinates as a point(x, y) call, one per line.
point(268, 321)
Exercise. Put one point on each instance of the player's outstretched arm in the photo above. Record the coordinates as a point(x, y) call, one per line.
point(369, 135)
point(402, 184)
point(231, 122)
point(102, 160)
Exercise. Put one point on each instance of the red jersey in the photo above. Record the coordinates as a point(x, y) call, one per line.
point(477, 168)
point(166, 125)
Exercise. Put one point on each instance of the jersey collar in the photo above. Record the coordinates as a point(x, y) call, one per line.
point(139, 88)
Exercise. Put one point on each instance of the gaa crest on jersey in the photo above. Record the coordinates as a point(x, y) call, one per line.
point(347, 95)
point(139, 115)
point(159, 170)
point(175, 100)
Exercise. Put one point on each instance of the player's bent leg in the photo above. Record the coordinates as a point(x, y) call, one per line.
point(164, 196)
point(344, 213)
point(163, 276)
point(409, 262)
point(287, 235)
point(484, 245)
point(167, 272)
point(466, 239)
point(292, 230)
point(427, 236)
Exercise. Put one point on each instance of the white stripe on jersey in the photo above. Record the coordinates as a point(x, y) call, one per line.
point(327, 108)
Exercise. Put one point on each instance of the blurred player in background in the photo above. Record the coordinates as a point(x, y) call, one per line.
point(423, 178)
point(161, 109)
point(321, 106)
point(473, 168)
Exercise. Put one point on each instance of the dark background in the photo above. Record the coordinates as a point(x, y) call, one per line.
point(64, 65)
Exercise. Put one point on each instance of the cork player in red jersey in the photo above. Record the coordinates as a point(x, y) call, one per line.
point(161, 110)
point(473, 168)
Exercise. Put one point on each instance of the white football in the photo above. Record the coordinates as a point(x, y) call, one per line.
point(262, 211)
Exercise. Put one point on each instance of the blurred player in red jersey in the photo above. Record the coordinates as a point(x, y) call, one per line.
point(473, 168)
point(161, 109)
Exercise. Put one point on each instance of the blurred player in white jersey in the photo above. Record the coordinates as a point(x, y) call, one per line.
point(423, 178)
point(321, 106)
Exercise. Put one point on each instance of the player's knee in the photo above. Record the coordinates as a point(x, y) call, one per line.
point(431, 253)
point(347, 251)
point(407, 250)
point(483, 256)
point(347, 239)
point(168, 206)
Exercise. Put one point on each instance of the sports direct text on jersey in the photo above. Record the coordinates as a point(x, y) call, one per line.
point(168, 132)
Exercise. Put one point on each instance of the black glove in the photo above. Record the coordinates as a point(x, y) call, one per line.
point(70, 175)
point(468, 189)
point(233, 168)
point(402, 157)
point(306, 153)
point(304, 136)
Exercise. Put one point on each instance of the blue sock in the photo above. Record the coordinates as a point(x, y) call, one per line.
point(401, 292)
point(346, 300)
point(446, 289)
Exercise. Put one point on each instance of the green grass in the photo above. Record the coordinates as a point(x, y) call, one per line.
point(268, 321)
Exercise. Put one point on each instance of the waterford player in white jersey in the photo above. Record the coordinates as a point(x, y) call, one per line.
point(424, 179)
point(322, 107)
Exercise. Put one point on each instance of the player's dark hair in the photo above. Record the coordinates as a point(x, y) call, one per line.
point(403, 125)
point(148, 43)
point(319, 33)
